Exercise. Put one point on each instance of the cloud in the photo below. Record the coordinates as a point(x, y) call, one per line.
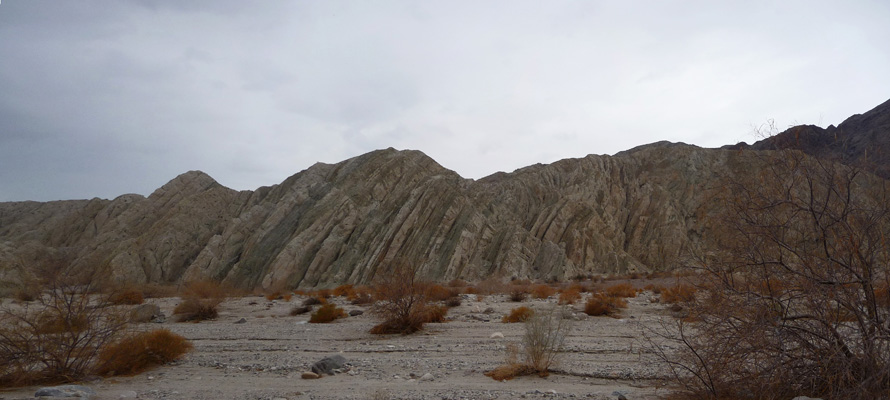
point(103, 98)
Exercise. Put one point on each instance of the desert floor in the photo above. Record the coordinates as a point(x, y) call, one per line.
point(264, 357)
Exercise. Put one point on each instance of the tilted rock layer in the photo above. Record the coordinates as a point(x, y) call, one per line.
point(639, 210)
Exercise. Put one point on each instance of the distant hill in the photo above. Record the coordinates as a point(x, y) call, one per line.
point(639, 210)
point(863, 140)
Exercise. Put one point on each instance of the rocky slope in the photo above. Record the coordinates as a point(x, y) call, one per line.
point(330, 224)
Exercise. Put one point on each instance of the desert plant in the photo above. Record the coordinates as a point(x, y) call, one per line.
point(545, 335)
point(518, 314)
point(205, 290)
point(343, 291)
point(454, 301)
point(196, 310)
point(402, 301)
point(788, 307)
point(439, 293)
point(621, 290)
point(542, 291)
point(602, 304)
point(518, 294)
point(138, 352)
point(679, 293)
point(57, 337)
point(327, 313)
point(126, 296)
point(434, 314)
point(569, 296)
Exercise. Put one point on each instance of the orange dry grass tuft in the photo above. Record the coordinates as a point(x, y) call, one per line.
point(327, 313)
point(542, 291)
point(435, 314)
point(621, 290)
point(139, 352)
point(196, 310)
point(518, 314)
point(130, 296)
point(205, 290)
point(602, 304)
point(569, 296)
point(344, 291)
point(509, 371)
point(679, 293)
point(654, 288)
point(440, 293)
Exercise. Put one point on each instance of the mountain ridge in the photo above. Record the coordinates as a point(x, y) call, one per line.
point(639, 210)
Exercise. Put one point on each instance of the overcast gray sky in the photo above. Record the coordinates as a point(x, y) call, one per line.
point(102, 98)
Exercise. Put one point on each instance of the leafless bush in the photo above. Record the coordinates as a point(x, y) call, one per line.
point(789, 307)
point(57, 337)
point(402, 301)
point(545, 335)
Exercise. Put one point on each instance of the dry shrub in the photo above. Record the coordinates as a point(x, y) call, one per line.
point(453, 301)
point(327, 313)
point(300, 310)
point(545, 335)
point(569, 296)
point(128, 296)
point(542, 291)
point(323, 293)
point(491, 286)
point(196, 310)
point(679, 293)
point(362, 299)
point(142, 351)
point(602, 304)
point(518, 314)
point(518, 293)
point(346, 290)
point(154, 291)
point(458, 283)
point(57, 337)
point(621, 290)
point(28, 293)
point(656, 289)
point(402, 301)
point(434, 314)
point(274, 296)
point(577, 286)
point(788, 306)
point(440, 293)
point(205, 290)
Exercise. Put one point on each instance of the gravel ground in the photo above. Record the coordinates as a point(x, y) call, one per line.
point(264, 357)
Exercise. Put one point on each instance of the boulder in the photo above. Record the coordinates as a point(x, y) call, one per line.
point(310, 375)
point(327, 365)
point(145, 313)
point(355, 313)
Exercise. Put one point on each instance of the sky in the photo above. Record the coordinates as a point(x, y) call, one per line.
point(104, 98)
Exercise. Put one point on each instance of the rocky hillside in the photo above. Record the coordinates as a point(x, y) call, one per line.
point(863, 139)
point(636, 211)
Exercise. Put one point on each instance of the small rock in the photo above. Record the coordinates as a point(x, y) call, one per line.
point(128, 395)
point(489, 310)
point(497, 335)
point(310, 375)
point(66, 391)
point(619, 395)
point(356, 313)
point(327, 365)
point(427, 377)
point(241, 321)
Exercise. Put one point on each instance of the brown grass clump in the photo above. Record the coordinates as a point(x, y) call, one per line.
point(327, 313)
point(453, 301)
point(509, 371)
point(518, 314)
point(130, 296)
point(458, 283)
point(196, 310)
point(518, 294)
point(346, 290)
point(602, 304)
point(323, 293)
point(542, 291)
point(154, 291)
point(139, 352)
point(569, 296)
point(205, 290)
point(434, 314)
point(680, 293)
point(490, 286)
point(654, 288)
point(440, 293)
point(621, 290)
